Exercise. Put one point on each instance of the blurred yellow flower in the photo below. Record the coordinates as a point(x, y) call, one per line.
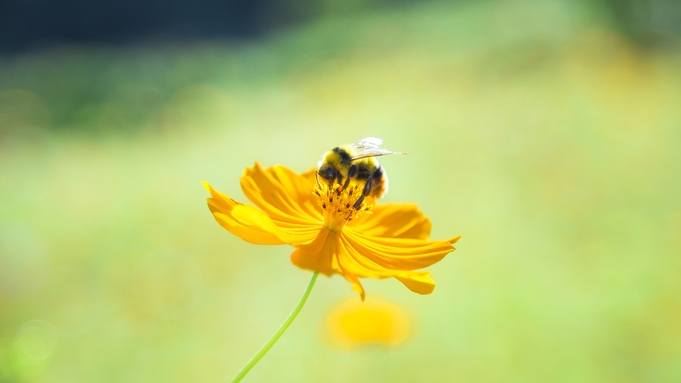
point(354, 323)
point(329, 234)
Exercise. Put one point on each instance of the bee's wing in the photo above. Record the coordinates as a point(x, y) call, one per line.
point(369, 142)
point(369, 147)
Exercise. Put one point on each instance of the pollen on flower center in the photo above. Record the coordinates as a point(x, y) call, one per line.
point(342, 202)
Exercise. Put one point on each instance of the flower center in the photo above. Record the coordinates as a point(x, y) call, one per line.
point(342, 202)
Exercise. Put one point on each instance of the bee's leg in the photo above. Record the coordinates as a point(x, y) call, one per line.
point(365, 193)
point(358, 203)
point(351, 173)
point(316, 177)
point(339, 177)
point(367, 188)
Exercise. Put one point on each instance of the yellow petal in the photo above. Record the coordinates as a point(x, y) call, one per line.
point(222, 206)
point(354, 262)
point(399, 253)
point(310, 176)
point(418, 282)
point(351, 277)
point(394, 220)
point(250, 234)
point(253, 225)
point(282, 194)
point(355, 256)
point(319, 254)
point(251, 216)
point(356, 285)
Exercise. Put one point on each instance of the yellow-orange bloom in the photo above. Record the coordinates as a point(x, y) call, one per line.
point(330, 235)
point(374, 322)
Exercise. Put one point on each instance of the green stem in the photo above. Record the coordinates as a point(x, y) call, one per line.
point(279, 332)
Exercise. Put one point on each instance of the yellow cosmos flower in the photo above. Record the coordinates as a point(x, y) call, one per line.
point(353, 324)
point(330, 234)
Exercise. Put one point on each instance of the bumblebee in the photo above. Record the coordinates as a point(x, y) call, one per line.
point(357, 162)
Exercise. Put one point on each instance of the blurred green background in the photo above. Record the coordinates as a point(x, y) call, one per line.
point(543, 132)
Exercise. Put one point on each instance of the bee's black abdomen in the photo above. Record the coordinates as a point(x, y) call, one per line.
point(343, 154)
point(363, 172)
point(378, 173)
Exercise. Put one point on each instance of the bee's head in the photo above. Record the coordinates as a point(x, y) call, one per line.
point(332, 166)
point(328, 171)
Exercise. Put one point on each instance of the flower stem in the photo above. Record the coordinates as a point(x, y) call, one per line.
point(279, 332)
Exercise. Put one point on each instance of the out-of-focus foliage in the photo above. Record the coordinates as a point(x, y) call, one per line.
point(37, 24)
point(645, 20)
point(535, 130)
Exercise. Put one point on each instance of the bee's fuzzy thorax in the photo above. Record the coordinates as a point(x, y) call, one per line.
point(357, 161)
